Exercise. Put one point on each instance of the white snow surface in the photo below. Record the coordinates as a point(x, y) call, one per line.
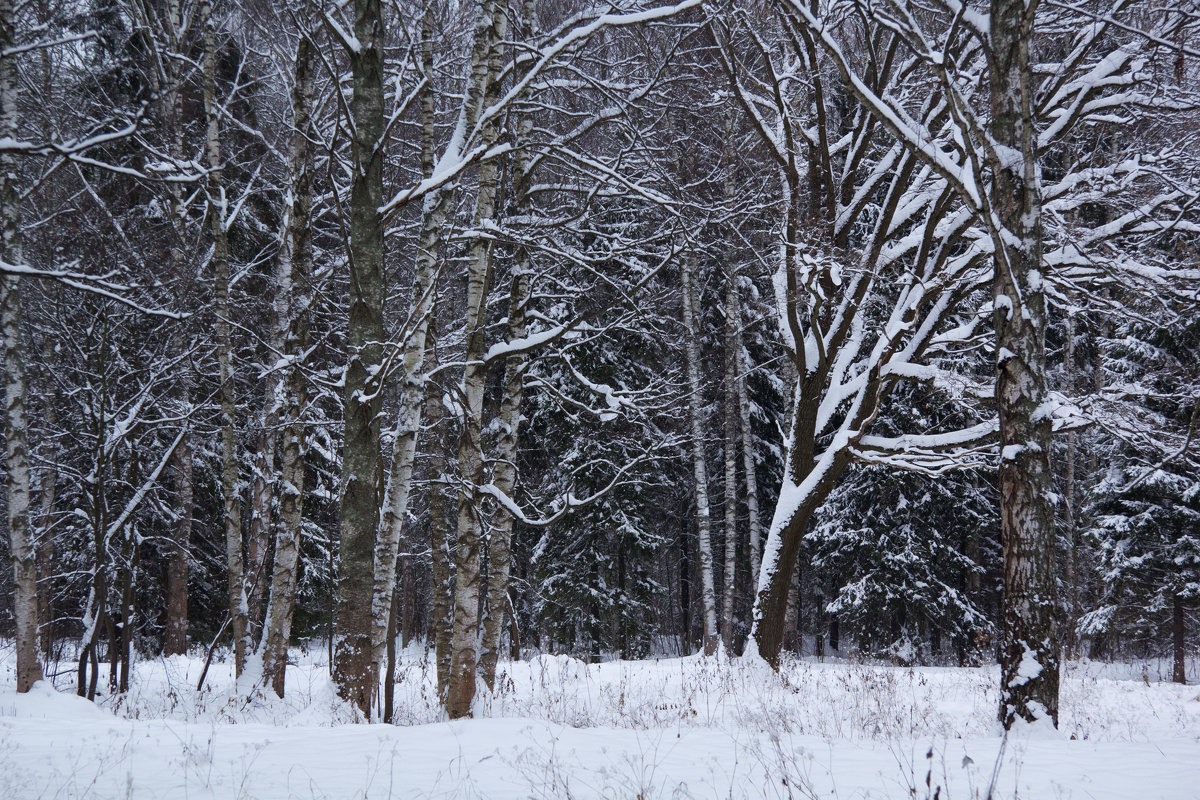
point(559, 728)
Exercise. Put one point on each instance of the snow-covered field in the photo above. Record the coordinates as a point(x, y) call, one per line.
point(558, 728)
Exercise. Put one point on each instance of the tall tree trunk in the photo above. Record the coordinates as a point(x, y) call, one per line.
point(708, 599)
point(1029, 659)
point(465, 643)
point(507, 445)
point(1069, 518)
point(16, 423)
point(685, 589)
point(262, 490)
point(95, 616)
point(238, 610)
point(749, 464)
point(412, 389)
point(45, 541)
point(294, 278)
point(171, 109)
point(175, 639)
point(505, 478)
point(362, 399)
point(732, 323)
point(440, 624)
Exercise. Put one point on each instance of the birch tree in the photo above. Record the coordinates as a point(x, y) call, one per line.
point(496, 602)
point(293, 299)
point(708, 592)
point(16, 423)
point(486, 61)
point(1029, 654)
point(239, 611)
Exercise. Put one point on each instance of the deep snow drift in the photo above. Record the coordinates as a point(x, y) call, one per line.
point(558, 728)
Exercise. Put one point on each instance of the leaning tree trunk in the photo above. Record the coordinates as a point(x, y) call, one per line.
point(708, 597)
point(362, 399)
point(238, 611)
point(465, 642)
point(16, 423)
point(1029, 657)
point(292, 314)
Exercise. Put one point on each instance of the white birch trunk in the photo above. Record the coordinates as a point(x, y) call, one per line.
point(748, 460)
point(708, 599)
point(508, 443)
point(440, 622)
point(294, 271)
point(412, 388)
point(1029, 652)
point(238, 609)
point(732, 324)
point(465, 642)
point(16, 423)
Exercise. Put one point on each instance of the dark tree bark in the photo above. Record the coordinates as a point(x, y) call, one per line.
point(175, 639)
point(359, 507)
point(1029, 658)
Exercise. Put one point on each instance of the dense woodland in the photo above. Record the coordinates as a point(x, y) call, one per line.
point(615, 330)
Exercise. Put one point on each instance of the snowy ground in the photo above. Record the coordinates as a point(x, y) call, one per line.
point(557, 728)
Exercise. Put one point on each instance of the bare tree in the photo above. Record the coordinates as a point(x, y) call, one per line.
point(16, 423)
point(708, 592)
point(362, 399)
point(294, 269)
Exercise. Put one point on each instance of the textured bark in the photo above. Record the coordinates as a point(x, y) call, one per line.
point(749, 464)
point(171, 110)
point(507, 444)
point(807, 483)
point(732, 323)
point(708, 597)
point(359, 507)
point(175, 635)
point(235, 570)
point(1029, 657)
point(96, 620)
point(294, 271)
point(465, 642)
point(16, 423)
point(1071, 637)
point(262, 490)
point(505, 478)
point(126, 575)
point(48, 487)
point(412, 388)
point(440, 623)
